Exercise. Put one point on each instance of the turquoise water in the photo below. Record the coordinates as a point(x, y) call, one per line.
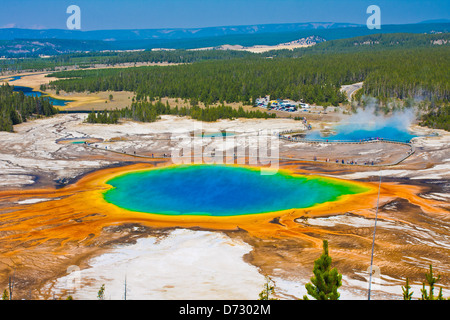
point(217, 134)
point(30, 92)
point(220, 190)
point(387, 130)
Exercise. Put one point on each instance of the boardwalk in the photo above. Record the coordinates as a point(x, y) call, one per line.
point(282, 136)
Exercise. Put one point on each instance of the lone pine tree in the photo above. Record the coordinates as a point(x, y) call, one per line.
point(326, 281)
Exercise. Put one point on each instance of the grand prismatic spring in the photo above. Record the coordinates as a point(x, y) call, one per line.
point(217, 190)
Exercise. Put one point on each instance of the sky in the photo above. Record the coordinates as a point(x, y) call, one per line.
point(152, 14)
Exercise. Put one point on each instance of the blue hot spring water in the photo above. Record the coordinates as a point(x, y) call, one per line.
point(220, 190)
point(389, 129)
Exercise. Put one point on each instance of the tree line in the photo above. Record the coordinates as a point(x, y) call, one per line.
point(147, 111)
point(89, 59)
point(222, 81)
point(16, 107)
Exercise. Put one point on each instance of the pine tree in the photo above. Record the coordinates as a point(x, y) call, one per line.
point(326, 281)
point(269, 289)
point(5, 295)
point(431, 280)
point(92, 118)
point(101, 293)
point(407, 295)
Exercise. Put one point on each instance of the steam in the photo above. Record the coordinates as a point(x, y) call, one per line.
point(372, 115)
point(370, 119)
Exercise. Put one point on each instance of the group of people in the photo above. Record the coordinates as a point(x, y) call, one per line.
point(343, 161)
point(366, 163)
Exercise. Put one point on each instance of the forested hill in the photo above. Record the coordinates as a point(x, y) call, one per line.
point(374, 42)
point(357, 44)
point(315, 78)
point(16, 108)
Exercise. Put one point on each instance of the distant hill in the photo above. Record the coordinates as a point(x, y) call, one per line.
point(167, 34)
point(32, 43)
point(436, 21)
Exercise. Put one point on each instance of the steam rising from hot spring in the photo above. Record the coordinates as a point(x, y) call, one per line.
point(369, 119)
point(368, 124)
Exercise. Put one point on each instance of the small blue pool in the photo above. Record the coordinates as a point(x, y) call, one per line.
point(388, 130)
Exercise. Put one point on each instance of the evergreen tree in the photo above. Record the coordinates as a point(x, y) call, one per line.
point(326, 281)
point(5, 295)
point(101, 293)
point(92, 117)
point(16, 108)
point(407, 295)
point(268, 291)
point(431, 280)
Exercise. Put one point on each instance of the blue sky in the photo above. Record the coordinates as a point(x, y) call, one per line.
point(151, 14)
